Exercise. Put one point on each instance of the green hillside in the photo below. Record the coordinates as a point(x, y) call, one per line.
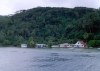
point(51, 26)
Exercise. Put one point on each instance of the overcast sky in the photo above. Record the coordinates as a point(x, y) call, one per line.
point(11, 6)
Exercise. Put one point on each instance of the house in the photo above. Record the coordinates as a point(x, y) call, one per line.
point(23, 45)
point(80, 44)
point(55, 46)
point(64, 45)
point(70, 45)
point(41, 45)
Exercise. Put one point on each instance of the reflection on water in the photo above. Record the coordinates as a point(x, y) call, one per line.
point(18, 59)
point(50, 60)
point(84, 55)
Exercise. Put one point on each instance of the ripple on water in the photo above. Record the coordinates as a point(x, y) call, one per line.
point(84, 55)
point(53, 57)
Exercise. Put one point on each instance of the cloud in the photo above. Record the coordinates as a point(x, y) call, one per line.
point(87, 3)
point(5, 8)
point(58, 3)
point(10, 6)
point(74, 3)
point(24, 4)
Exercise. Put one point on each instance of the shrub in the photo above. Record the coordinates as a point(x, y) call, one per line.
point(94, 43)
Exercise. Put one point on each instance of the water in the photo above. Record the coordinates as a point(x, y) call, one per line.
point(25, 59)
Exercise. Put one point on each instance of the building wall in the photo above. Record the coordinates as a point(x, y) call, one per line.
point(23, 45)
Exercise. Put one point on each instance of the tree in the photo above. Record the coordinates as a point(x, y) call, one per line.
point(31, 42)
point(50, 25)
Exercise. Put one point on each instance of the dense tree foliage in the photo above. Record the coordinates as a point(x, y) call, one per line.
point(50, 25)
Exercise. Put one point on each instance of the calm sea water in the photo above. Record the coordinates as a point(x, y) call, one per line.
point(26, 59)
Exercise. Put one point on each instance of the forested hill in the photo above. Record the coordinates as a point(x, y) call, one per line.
point(50, 25)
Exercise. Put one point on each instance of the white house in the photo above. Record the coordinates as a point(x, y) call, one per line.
point(64, 45)
point(70, 45)
point(55, 46)
point(41, 45)
point(80, 44)
point(23, 45)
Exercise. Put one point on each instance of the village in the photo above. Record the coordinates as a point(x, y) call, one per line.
point(78, 44)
